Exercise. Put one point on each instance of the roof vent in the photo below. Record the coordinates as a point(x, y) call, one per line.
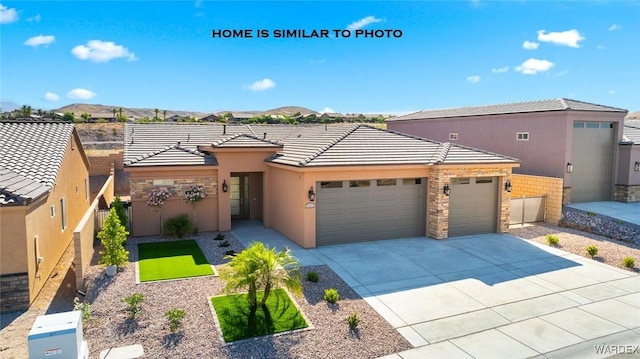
point(188, 137)
point(264, 136)
point(224, 129)
point(178, 143)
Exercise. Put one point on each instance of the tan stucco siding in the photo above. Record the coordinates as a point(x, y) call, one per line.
point(13, 246)
point(533, 186)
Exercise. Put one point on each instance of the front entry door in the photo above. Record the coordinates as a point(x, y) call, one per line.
point(240, 197)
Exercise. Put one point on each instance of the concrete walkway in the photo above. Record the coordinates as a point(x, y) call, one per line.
point(627, 212)
point(484, 296)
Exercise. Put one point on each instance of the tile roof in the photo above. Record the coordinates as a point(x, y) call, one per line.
point(31, 154)
point(300, 146)
point(631, 132)
point(559, 104)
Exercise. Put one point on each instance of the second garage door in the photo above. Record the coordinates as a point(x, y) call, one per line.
point(365, 210)
point(473, 206)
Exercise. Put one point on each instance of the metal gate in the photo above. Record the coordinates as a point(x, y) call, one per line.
point(527, 210)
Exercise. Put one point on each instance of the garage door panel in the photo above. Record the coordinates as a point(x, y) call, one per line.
point(370, 213)
point(592, 160)
point(473, 208)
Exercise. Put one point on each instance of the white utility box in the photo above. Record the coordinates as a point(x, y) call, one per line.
point(57, 336)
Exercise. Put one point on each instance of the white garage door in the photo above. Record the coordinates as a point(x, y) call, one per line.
point(365, 210)
point(592, 159)
point(473, 206)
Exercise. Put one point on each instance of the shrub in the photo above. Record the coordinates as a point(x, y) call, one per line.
point(331, 295)
point(120, 212)
point(134, 304)
point(592, 251)
point(353, 320)
point(174, 316)
point(84, 308)
point(178, 226)
point(629, 262)
point(218, 237)
point(224, 244)
point(113, 235)
point(313, 277)
point(552, 240)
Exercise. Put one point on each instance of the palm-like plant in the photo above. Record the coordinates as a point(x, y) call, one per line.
point(260, 267)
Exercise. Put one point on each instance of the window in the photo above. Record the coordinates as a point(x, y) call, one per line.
point(593, 125)
point(86, 189)
point(331, 184)
point(578, 125)
point(386, 182)
point(76, 189)
point(453, 136)
point(484, 180)
point(163, 182)
point(463, 180)
point(522, 136)
point(360, 183)
point(63, 213)
point(411, 181)
point(53, 211)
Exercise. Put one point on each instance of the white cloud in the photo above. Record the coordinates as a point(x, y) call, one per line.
point(500, 70)
point(261, 85)
point(81, 94)
point(35, 18)
point(473, 79)
point(50, 96)
point(530, 45)
point(40, 40)
point(533, 66)
point(327, 110)
point(565, 38)
point(615, 27)
point(7, 15)
point(363, 22)
point(611, 92)
point(102, 51)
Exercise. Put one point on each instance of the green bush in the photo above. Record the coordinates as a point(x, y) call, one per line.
point(134, 304)
point(331, 295)
point(178, 226)
point(552, 240)
point(353, 320)
point(122, 214)
point(113, 235)
point(175, 316)
point(592, 251)
point(629, 262)
point(84, 308)
point(313, 277)
point(219, 237)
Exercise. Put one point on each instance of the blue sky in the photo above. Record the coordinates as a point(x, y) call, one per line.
point(161, 54)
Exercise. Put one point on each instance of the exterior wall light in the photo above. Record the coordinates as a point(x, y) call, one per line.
point(637, 167)
point(507, 186)
point(312, 194)
point(569, 167)
point(225, 187)
point(447, 190)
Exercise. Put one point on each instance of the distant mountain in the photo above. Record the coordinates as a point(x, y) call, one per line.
point(285, 110)
point(80, 108)
point(8, 106)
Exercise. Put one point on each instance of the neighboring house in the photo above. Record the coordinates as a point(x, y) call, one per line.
point(105, 116)
point(318, 184)
point(44, 192)
point(628, 183)
point(174, 118)
point(573, 140)
point(210, 118)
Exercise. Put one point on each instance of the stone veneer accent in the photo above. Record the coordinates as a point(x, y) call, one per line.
point(141, 187)
point(438, 208)
point(14, 292)
point(626, 193)
point(566, 195)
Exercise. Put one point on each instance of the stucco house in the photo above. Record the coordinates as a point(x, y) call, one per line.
point(317, 184)
point(563, 138)
point(628, 177)
point(44, 192)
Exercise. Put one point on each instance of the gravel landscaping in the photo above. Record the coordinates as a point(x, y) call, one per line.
point(329, 336)
point(610, 251)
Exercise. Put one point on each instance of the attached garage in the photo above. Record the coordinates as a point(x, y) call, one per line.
point(473, 206)
point(592, 161)
point(365, 210)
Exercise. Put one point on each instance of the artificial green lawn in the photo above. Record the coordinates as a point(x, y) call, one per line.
point(171, 260)
point(281, 315)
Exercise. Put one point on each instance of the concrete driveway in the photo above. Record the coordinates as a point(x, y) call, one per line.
point(484, 296)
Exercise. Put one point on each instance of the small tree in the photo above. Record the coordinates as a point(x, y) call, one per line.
point(260, 267)
point(192, 196)
point(122, 214)
point(156, 199)
point(112, 235)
